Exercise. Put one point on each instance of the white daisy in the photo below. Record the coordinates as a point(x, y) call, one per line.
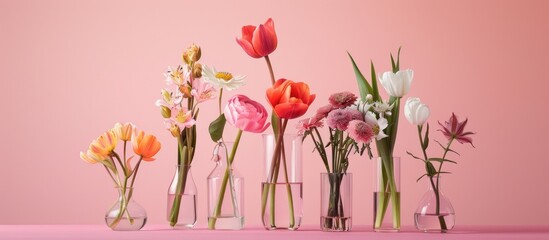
point(222, 79)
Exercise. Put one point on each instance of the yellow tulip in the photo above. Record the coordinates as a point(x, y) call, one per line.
point(91, 157)
point(145, 146)
point(123, 131)
point(104, 144)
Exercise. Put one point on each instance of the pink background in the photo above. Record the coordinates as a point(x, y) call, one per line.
point(71, 69)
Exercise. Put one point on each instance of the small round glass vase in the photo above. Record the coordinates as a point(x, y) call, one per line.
point(126, 214)
point(434, 214)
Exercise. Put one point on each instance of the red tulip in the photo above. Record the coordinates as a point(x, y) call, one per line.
point(290, 99)
point(258, 41)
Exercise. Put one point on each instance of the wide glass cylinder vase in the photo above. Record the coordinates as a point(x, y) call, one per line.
point(282, 186)
point(434, 213)
point(387, 194)
point(336, 202)
point(225, 192)
point(126, 214)
point(181, 207)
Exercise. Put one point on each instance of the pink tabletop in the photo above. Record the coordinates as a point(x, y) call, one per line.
point(159, 232)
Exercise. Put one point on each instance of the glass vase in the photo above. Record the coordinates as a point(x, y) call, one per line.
point(126, 214)
point(182, 199)
point(434, 214)
point(225, 192)
point(281, 189)
point(336, 202)
point(387, 194)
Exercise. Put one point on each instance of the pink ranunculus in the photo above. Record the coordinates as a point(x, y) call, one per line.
point(453, 129)
point(360, 131)
point(342, 99)
point(258, 41)
point(307, 124)
point(339, 118)
point(246, 114)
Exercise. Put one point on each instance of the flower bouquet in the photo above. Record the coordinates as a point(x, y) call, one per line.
point(180, 107)
point(350, 131)
point(441, 211)
point(396, 83)
point(125, 214)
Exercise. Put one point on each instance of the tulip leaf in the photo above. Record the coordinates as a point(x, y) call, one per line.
point(418, 158)
point(441, 160)
point(363, 85)
point(375, 89)
point(275, 122)
point(396, 66)
point(426, 138)
point(216, 128)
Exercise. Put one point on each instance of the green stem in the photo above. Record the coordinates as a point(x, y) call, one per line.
point(226, 176)
point(182, 171)
point(288, 186)
point(270, 69)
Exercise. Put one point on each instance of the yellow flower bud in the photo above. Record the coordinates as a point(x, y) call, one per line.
point(166, 95)
point(175, 131)
point(192, 54)
point(166, 111)
point(197, 70)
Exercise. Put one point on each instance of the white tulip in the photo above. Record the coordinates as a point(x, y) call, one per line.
point(416, 112)
point(397, 84)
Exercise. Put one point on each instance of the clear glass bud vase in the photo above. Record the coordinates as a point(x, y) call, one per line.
point(434, 214)
point(336, 202)
point(225, 192)
point(182, 199)
point(126, 214)
point(282, 188)
point(387, 194)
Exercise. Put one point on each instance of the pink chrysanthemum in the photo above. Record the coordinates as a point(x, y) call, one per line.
point(339, 118)
point(355, 114)
point(307, 124)
point(342, 99)
point(323, 111)
point(360, 131)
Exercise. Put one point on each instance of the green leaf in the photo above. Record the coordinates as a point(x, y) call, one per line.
point(431, 170)
point(409, 153)
point(393, 64)
point(216, 128)
point(375, 93)
point(421, 177)
point(398, 60)
point(426, 138)
point(363, 85)
point(275, 123)
point(441, 160)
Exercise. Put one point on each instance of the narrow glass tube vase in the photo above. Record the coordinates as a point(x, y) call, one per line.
point(387, 194)
point(281, 189)
point(336, 202)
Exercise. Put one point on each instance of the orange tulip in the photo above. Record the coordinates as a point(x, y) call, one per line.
point(290, 99)
point(258, 41)
point(145, 146)
point(104, 144)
